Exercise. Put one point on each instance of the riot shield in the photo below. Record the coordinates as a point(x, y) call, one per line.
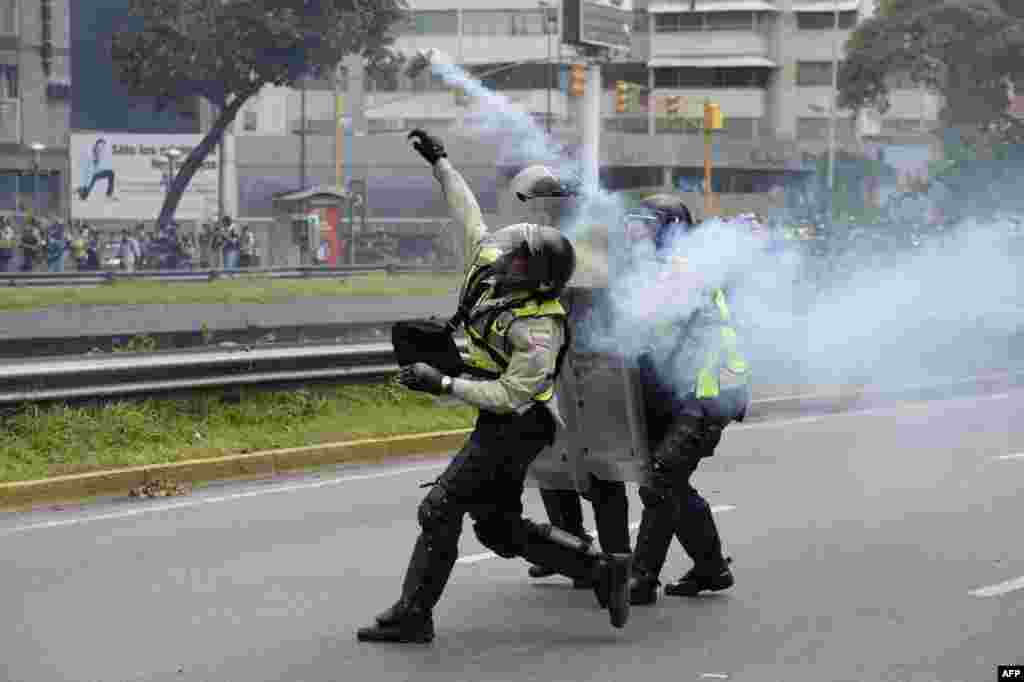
point(600, 398)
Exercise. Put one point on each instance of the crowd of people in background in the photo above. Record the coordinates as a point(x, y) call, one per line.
point(33, 247)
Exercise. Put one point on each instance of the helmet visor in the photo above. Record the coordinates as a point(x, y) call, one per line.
point(641, 225)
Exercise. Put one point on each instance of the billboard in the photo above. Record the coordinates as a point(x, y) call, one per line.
point(597, 23)
point(117, 176)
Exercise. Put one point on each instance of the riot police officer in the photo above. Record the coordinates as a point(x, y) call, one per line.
point(695, 383)
point(516, 329)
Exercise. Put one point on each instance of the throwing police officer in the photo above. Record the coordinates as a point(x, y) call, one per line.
point(695, 383)
point(516, 330)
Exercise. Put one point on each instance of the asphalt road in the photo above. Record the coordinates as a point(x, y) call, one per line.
point(882, 545)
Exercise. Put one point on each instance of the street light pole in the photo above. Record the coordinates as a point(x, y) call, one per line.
point(832, 108)
point(547, 35)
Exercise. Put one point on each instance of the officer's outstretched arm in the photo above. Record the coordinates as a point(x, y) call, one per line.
point(535, 343)
point(462, 203)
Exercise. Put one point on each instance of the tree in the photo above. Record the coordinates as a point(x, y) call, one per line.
point(225, 51)
point(969, 51)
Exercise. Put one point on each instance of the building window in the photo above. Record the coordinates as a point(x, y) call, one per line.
point(641, 21)
point(8, 17)
point(8, 81)
point(250, 120)
point(506, 22)
point(814, 74)
point(678, 22)
point(817, 21)
point(681, 22)
point(433, 23)
point(691, 78)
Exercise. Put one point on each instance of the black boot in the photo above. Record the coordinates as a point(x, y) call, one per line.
point(538, 571)
point(713, 578)
point(411, 618)
point(611, 585)
point(643, 588)
point(403, 622)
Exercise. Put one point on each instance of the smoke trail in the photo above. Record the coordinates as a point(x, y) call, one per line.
point(523, 141)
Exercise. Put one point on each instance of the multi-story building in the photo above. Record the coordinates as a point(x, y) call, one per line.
point(767, 63)
point(35, 80)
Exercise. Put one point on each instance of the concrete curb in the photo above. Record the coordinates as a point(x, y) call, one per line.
point(24, 495)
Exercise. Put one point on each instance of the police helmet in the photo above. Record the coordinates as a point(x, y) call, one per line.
point(527, 257)
point(662, 216)
point(538, 181)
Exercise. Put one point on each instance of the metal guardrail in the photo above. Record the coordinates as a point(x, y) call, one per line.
point(99, 277)
point(145, 374)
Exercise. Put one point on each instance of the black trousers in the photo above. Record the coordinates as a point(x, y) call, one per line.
point(672, 506)
point(485, 480)
point(611, 512)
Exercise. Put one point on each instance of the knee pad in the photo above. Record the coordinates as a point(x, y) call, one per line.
point(500, 534)
point(435, 515)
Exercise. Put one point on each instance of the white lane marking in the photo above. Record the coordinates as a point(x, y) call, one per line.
point(924, 404)
point(714, 676)
point(1019, 455)
point(484, 556)
point(999, 589)
point(201, 501)
point(398, 472)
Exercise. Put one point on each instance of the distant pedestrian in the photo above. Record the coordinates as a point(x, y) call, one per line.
point(7, 244)
point(128, 252)
point(56, 247)
point(31, 245)
point(248, 257)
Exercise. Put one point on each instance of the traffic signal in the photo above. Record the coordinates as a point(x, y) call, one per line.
point(621, 96)
point(713, 116)
point(577, 79)
point(673, 105)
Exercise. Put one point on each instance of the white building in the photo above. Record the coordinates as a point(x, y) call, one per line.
point(767, 63)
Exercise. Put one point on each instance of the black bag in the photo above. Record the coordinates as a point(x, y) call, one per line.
point(428, 341)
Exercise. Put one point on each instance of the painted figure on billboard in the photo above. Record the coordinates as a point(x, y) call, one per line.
point(96, 165)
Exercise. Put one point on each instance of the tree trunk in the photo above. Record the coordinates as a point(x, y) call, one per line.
point(195, 160)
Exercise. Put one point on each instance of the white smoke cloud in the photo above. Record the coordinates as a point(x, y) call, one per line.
point(948, 307)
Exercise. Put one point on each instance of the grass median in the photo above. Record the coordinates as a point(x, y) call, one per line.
point(39, 442)
point(239, 289)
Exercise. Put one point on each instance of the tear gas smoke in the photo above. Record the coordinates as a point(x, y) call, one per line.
point(950, 307)
point(946, 309)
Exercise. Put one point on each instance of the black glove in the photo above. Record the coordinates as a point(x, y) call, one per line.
point(429, 147)
point(421, 377)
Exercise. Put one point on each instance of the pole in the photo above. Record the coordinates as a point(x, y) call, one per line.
point(547, 34)
point(592, 127)
point(709, 199)
point(35, 189)
point(339, 108)
point(832, 106)
point(302, 134)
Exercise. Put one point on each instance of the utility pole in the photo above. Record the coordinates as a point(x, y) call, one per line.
point(302, 133)
point(832, 107)
point(592, 127)
point(550, 77)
